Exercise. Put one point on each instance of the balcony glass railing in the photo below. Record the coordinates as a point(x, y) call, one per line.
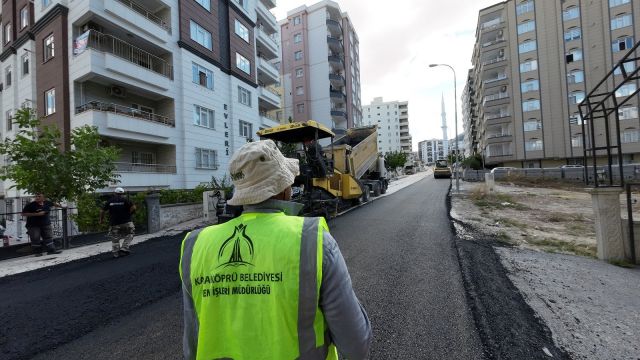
point(493, 61)
point(491, 24)
point(146, 13)
point(497, 96)
point(125, 111)
point(124, 50)
point(492, 42)
point(124, 167)
point(498, 78)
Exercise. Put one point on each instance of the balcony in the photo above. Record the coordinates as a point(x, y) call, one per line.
point(269, 99)
point(340, 95)
point(154, 25)
point(335, 44)
point(114, 56)
point(493, 97)
point(336, 62)
point(495, 79)
point(339, 115)
point(335, 28)
point(492, 24)
point(494, 60)
point(270, 4)
point(266, 46)
point(123, 167)
point(268, 121)
point(337, 80)
point(266, 19)
point(493, 42)
point(120, 122)
point(267, 73)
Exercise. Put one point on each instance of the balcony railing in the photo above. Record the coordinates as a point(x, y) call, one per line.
point(493, 61)
point(496, 116)
point(497, 96)
point(497, 135)
point(500, 77)
point(491, 23)
point(126, 111)
point(145, 168)
point(144, 12)
point(128, 52)
point(492, 42)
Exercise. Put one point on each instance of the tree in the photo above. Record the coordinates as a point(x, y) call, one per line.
point(395, 159)
point(36, 161)
point(474, 162)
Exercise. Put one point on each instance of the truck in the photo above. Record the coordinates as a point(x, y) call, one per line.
point(342, 174)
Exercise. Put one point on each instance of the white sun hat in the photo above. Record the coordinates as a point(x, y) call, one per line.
point(119, 190)
point(259, 171)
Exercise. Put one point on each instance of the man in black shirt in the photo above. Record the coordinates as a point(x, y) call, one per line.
point(121, 226)
point(39, 225)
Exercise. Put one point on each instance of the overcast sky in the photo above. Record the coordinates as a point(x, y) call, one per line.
point(398, 41)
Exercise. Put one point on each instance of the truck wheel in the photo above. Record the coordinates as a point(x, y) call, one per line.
point(365, 194)
point(376, 189)
point(383, 188)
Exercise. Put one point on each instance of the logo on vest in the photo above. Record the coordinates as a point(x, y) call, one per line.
point(237, 250)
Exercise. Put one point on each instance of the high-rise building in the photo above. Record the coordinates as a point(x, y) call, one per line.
point(431, 150)
point(533, 63)
point(321, 66)
point(177, 86)
point(392, 119)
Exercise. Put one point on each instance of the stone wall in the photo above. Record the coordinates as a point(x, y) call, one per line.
point(178, 213)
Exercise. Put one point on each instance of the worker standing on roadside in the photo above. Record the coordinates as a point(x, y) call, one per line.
point(268, 284)
point(121, 227)
point(39, 225)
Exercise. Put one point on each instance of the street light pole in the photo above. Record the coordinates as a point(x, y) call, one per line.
point(455, 106)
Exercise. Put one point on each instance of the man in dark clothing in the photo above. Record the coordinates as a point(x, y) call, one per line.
point(121, 226)
point(39, 225)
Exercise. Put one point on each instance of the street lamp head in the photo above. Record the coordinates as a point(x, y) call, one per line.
point(433, 65)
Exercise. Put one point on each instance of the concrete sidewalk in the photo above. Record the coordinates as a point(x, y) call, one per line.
point(27, 263)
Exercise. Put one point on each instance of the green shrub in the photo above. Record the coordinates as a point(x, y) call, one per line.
point(88, 216)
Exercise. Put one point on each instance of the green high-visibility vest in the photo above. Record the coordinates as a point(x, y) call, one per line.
point(255, 285)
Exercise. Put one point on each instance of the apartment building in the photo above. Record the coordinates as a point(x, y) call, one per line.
point(177, 85)
point(534, 61)
point(321, 66)
point(431, 150)
point(392, 119)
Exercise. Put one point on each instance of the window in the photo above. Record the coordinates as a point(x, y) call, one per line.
point(246, 129)
point(629, 135)
point(531, 105)
point(299, 72)
point(571, 13)
point(299, 90)
point(7, 33)
point(576, 140)
point(203, 116)
point(202, 76)
point(524, 7)
point(297, 20)
point(573, 33)
point(533, 145)
point(243, 3)
point(627, 112)
point(243, 64)
point(574, 55)
point(300, 108)
point(205, 4)
point(626, 90)
point(526, 26)
point(49, 47)
point(628, 68)
point(621, 21)
point(9, 116)
point(24, 17)
point(529, 85)
point(575, 119)
point(622, 43)
point(532, 125)
point(50, 102)
point(200, 35)
point(46, 3)
point(575, 77)
point(613, 3)
point(297, 55)
point(25, 64)
point(244, 96)
point(206, 159)
point(7, 76)
point(526, 46)
point(529, 65)
point(143, 157)
point(576, 97)
point(297, 38)
point(242, 31)
point(142, 108)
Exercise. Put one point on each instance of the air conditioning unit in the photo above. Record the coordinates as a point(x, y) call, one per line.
point(500, 33)
point(503, 88)
point(117, 91)
point(501, 53)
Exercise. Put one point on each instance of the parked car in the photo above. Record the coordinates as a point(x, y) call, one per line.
point(442, 169)
point(502, 169)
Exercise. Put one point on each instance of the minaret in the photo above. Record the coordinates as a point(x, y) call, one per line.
point(445, 138)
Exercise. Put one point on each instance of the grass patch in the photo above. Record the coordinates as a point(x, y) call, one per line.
point(482, 199)
point(554, 245)
point(512, 223)
point(622, 263)
point(503, 237)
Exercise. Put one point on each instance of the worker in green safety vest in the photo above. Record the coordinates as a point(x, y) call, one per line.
point(268, 284)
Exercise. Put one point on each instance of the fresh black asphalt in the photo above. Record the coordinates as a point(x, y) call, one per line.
point(428, 294)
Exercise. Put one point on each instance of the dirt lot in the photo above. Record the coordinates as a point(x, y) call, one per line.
point(553, 217)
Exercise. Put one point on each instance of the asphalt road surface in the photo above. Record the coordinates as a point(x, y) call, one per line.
point(400, 250)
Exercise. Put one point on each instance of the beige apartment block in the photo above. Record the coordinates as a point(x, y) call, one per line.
point(533, 62)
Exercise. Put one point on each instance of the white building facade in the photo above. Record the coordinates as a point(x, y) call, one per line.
point(392, 119)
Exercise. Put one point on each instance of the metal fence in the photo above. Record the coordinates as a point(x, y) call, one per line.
point(575, 175)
